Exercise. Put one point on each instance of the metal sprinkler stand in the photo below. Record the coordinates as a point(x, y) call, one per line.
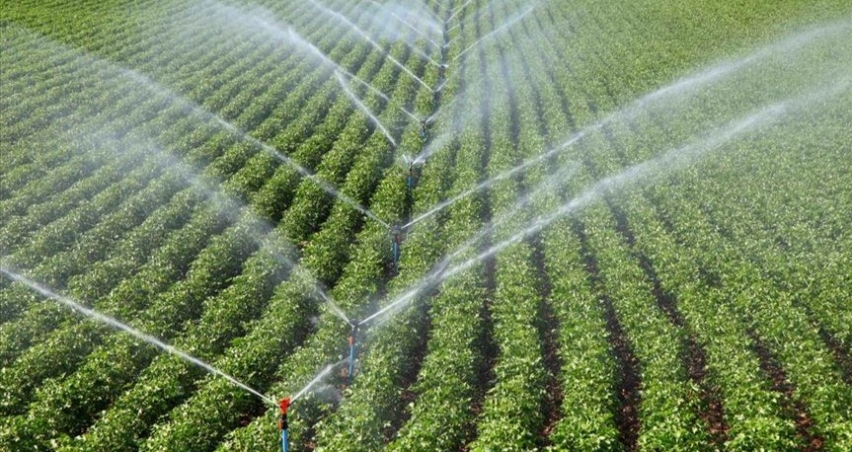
point(354, 323)
point(284, 404)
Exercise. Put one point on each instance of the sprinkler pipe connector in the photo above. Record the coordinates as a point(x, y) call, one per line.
point(283, 427)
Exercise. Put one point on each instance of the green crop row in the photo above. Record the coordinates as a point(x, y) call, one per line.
point(184, 428)
point(336, 233)
point(752, 411)
point(101, 242)
point(371, 165)
point(378, 238)
point(357, 284)
point(669, 406)
point(207, 276)
point(374, 401)
point(449, 375)
point(18, 228)
point(767, 305)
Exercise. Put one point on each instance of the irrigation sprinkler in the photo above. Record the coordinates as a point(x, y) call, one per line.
point(409, 181)
point(396, 239)
point(352, 336)
point(412, 176)
point(414, 169)
point(442, 72)
point(283, 427)
point(284, 404)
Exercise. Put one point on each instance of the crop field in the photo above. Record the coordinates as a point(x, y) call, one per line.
point(429, 225)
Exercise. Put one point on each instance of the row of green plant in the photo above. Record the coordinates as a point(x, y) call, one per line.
point(223, 167)
point(358, 285)
point(371, 165)
point(375, 406)
point(450, 373)
point(748, 260)
point(325, 256)
point(373, 400)
point(97, 244)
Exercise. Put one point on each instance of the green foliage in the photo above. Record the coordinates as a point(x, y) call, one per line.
point(728, 278)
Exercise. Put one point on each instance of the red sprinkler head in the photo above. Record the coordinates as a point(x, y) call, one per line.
point(284, 404)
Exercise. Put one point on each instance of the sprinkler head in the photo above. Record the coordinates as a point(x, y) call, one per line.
point(284, 404)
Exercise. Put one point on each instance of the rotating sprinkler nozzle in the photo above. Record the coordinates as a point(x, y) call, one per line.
point(284, 404)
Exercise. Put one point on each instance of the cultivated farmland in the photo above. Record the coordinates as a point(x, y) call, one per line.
point(454, 225)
